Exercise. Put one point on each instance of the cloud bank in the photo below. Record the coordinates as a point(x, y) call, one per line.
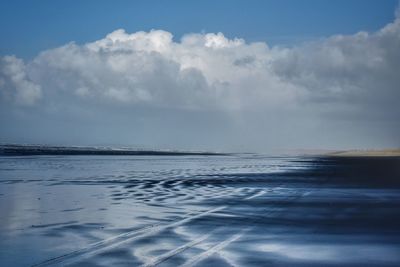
point(208, 91)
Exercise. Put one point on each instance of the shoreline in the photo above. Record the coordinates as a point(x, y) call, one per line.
point(42, 150)
point(366, 153)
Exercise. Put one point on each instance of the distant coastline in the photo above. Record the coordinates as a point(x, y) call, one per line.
point(32, 150)
point(366, 153)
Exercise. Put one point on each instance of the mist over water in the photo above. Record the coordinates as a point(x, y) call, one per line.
point(236, 210)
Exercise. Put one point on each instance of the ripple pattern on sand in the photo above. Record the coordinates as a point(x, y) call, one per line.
point(238, 210)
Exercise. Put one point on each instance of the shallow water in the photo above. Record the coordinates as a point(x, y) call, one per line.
point(237, 210)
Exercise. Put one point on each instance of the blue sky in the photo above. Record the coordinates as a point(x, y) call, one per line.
point(28, 27)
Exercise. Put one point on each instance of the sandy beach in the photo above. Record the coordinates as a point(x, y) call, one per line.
point(367, 153)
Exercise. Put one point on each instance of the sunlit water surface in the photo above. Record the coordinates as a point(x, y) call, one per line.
point(238, 210)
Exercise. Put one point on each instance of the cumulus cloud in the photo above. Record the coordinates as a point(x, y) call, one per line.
point(202, 71)
point(14, 83)
point(360, 69)
point(209, 72)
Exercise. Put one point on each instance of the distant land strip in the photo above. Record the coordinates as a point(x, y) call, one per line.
point(366, 153)
point(31, 150)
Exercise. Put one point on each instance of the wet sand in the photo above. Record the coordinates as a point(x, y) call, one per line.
point(237, 210)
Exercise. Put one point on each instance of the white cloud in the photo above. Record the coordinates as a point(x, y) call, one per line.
point(14, 83)
point(360, 69)
point(344, 73)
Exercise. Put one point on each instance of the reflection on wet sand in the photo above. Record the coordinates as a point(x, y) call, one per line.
point(237, 210)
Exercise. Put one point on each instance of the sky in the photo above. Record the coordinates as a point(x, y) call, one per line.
point(204, 75)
